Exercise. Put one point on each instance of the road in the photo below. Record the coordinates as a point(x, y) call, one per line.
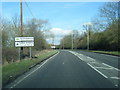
point(68, 69)
point(108, 59)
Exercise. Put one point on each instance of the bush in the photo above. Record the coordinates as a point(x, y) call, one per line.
point(9, 55)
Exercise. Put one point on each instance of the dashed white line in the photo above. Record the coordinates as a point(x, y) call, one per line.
point(97, 70)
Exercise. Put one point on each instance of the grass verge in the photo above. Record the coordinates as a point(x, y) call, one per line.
point(115, 53)
point(0, 76)
point(12, 71)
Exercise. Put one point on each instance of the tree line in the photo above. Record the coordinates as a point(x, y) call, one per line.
point(11, 29)
point(103, 32)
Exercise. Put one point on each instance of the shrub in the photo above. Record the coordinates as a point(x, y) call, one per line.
point(9, 54)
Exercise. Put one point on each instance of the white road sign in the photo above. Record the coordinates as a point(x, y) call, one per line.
point(24, 44)
point(53, 47)
point(24, 38)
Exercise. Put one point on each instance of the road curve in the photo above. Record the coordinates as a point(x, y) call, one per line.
point(65, 70)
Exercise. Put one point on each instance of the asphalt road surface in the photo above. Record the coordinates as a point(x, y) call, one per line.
point(69, 69)
point(108, 59)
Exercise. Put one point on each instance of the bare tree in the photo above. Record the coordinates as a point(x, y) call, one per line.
point(88, 27)
point(108, 14)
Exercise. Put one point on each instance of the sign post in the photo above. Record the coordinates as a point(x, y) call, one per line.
point(19, 53)
point(30, 53)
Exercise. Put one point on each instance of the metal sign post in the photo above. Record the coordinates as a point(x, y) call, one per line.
point(19, 53)
point(30, 53)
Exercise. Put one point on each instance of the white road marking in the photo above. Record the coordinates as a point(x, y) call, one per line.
point(63, 63)
point(97, 70)
point(92, 62)
point(103, 68)
point(81, 58)
point(111, 67)
point(33, 71)
point(114, 77)
point(91, 58)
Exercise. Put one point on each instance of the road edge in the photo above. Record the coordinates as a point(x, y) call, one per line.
point(41, 62)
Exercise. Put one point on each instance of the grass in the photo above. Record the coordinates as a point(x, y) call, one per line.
point(11, 71)
point(116, 53)
point(0, 76)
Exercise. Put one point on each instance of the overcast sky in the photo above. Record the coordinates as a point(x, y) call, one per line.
point(62, 16)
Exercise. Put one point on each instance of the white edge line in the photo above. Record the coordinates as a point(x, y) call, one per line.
point(97, 71)
point(79, 56)
point(111, 66)
point(33, 71)
point(76, 54)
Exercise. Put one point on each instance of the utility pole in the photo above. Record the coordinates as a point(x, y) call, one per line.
point(87, 28)
point(63, 43)
point(53, 41)
point(72, 40)
point(21, 29)
point(88, 41)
